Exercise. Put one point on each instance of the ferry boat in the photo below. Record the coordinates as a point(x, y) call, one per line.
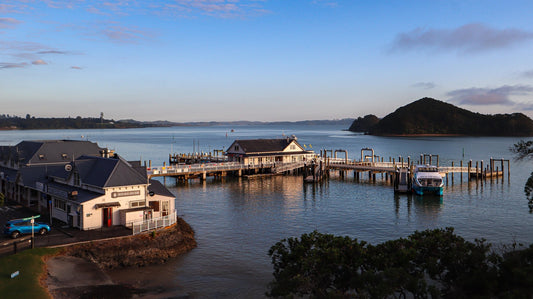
point(427, 180)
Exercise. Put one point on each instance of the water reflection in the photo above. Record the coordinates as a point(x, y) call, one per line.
point(528, 190)
point(427, 207)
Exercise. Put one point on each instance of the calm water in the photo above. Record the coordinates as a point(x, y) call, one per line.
point(237, 220)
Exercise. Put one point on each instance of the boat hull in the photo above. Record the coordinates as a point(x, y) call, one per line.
point(420, 190)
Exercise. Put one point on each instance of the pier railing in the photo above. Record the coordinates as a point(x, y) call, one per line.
point(215, 167)
point(155, 223)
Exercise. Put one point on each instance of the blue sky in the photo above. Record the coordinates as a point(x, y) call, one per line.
point(269, 60)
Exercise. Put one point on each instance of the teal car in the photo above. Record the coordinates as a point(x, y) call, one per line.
point(17, 227)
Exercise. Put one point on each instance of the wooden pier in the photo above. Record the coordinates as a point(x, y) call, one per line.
point(182, 167)
point(204, 170)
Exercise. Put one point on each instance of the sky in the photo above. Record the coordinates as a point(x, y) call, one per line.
point(265, 60)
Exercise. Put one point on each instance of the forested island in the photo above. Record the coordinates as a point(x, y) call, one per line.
point(10, 122)
point(428, 116)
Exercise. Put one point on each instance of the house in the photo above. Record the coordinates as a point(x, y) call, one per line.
point(81, 184)
point(263, 151)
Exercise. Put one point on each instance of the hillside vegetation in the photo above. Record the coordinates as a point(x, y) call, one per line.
point(430, 116)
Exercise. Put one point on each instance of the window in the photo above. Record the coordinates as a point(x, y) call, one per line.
point(76, 178)
point(154, 205)
point(236, 147)
point(293, 147)
point(137, 203)
point(60, 204)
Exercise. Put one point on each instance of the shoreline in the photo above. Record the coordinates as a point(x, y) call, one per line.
point(92, 270)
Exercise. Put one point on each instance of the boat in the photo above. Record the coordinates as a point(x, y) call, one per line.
point(402, 180)
point(427, 180)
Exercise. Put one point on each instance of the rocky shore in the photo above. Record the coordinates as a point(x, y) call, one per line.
point(105, 255)
point(139, 250)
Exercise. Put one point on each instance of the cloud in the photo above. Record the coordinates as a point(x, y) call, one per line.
point(121, 34)
point(76, 67)
point(11, 8)
point(25, 54)
point(39, 62)
point(527, 74)
point(182, 8)
point(6, 23)
point(524, 106)
point(52, 52)
point(488, 96)
point(424, 85)
point(469, 38)
point(9, 65)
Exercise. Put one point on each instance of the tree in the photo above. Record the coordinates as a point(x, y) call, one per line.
point(428, 264)
point(524, 150)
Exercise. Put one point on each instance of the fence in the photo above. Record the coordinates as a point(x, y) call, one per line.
point(150, 224)
point(15, 246)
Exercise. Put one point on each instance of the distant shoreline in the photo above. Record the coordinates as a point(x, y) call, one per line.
point(424, 135)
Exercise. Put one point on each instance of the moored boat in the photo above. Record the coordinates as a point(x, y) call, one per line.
point(427, 180)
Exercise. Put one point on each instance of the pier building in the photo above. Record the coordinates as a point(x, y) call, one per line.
point(80, 184)
point(257, 151)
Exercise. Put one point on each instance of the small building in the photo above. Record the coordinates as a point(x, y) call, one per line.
point(263, 151)
point(81, 184)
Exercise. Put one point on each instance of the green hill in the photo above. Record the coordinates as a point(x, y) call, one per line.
point(364, 124)
point(433, 117)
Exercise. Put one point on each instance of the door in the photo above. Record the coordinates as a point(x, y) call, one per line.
point(70, 220)
point(108, 217)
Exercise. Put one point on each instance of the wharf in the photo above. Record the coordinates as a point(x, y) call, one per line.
point(203, 170)
point(320, 166)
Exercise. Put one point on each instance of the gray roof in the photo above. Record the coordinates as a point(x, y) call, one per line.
point(107, 172)
point(263, 145)
point(49, 151)
point(83, 195)
point(159, 189)
point(10, 175)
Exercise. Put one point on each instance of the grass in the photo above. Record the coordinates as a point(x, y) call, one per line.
point(30, 265)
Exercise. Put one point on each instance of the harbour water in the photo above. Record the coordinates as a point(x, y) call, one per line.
point(237, 220)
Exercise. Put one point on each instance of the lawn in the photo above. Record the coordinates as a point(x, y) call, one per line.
point(30, 266)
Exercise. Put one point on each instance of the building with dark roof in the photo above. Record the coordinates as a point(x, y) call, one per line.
point(257, 151)
point(81, 184)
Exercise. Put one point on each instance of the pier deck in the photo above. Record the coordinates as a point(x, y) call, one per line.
point(202, 170)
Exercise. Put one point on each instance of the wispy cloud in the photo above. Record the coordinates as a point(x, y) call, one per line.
point(6, 23)
point(527, 74)
point(39, 62)
point(122, 34)
point(9, 65)
point(189, 8)
point(76, 67)
point(53, 52)
point(12, 8)
point(25, 54)
point(489, 96)
point(469, 38)
point(424, 85)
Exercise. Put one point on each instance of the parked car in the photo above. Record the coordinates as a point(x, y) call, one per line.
point(17, 227)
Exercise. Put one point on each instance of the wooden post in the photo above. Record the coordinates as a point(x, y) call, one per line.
point(508, 170)
point(491, 166)
point(461, 163)
point(452, 172)
point(481, 167)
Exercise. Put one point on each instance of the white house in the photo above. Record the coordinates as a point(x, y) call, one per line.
point(80, 184)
